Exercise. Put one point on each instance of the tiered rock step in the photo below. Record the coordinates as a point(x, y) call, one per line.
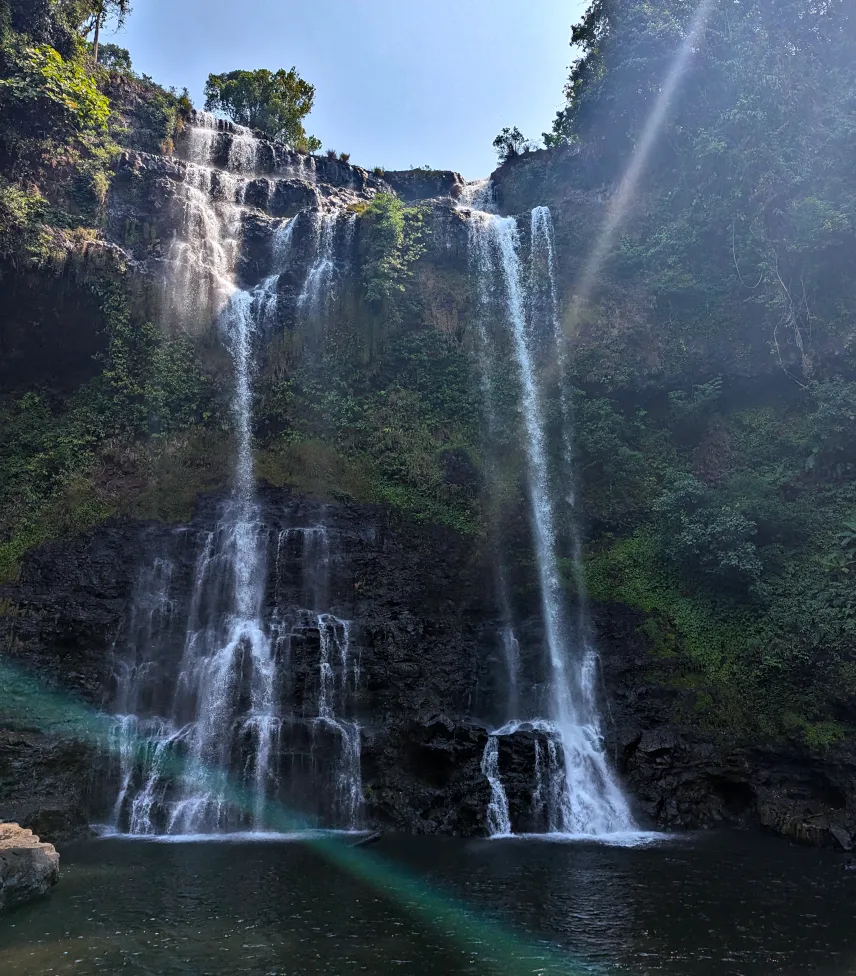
point(277, 196)
point(236, 149)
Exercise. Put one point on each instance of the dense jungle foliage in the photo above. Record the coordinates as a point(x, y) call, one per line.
point(721, 490)
point(65, 121)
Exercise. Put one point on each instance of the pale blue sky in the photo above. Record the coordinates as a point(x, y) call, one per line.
point(399, 82)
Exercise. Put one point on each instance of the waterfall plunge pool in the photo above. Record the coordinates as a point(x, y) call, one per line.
point(717, 904)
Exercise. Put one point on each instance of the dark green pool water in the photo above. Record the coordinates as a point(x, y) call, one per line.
point(727, 904)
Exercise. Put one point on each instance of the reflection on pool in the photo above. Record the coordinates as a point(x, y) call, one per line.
point(723, 904)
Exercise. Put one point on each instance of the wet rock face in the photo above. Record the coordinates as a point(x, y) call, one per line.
point(28, 868)
point(683, 776)
point(66, 607)
point(39, 348)
point(421, 184)
point(421, 608)
point(549, 176)
point(44, 779)
point(425, 625)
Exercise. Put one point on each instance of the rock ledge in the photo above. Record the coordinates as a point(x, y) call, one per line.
point(28, 868)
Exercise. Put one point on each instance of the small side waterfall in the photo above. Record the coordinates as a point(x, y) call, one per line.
point(338, 664)
point(315, 294)
point(335, 658)
point(202, 750)
point(575, 792)
point(243, 150)
point(548, 798)
point(511, 659)
point(478, 195)
point(498, 819)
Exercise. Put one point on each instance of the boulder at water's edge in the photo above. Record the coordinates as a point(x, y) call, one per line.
point(28, 868)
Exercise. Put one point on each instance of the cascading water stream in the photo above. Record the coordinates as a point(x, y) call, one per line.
point(543, 260)
point(478, 195)
point(313, 297)
point(338, 664)
point(584, 799)
point(207, 757)
point(336, 641)
point(498, 818)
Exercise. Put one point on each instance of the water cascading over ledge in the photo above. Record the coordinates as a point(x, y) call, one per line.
point(575, 790)
point(210, 746)
point(234, 692)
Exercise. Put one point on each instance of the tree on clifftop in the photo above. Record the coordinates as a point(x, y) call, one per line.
point(276, 103)
point(101, 11)
point(510, 143)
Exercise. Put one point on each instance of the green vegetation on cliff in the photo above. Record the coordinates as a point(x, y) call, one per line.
point(70, 460)
point(715, 358)
point(64, 121)
point(385, 409)
point(76, 427)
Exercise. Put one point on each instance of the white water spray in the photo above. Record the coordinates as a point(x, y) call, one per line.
point(222, 728)
point(588, 800)
point(315, 295)
point(498, 818)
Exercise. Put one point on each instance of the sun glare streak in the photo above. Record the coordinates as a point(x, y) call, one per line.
point(25, 703)
point(619, 203)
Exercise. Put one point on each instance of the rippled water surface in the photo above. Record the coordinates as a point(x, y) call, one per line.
point(729, 905)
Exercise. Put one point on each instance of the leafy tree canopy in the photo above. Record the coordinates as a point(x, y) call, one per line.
point(274, 102)
point(115, 58)
point(751, 179)
point(99, 13)
point(511, 142)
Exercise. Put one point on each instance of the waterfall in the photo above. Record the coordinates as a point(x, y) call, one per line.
point(338, 664)
point(588, 799)
point(543, 265)
point(267, 295)
point(478, 195)
point(548, 799)
point(543, 253)
point(498, 819)
point(243, 150)
point(315, 294)
point(199, 741)
point(511, 659)
point(335, 640)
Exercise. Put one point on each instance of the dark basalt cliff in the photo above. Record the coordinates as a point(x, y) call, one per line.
point(420, 597)
point(683, 775)
point(424, 605)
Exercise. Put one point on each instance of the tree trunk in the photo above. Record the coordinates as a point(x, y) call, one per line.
point(97, 35)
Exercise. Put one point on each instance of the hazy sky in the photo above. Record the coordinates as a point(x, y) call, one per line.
point(399, 82)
